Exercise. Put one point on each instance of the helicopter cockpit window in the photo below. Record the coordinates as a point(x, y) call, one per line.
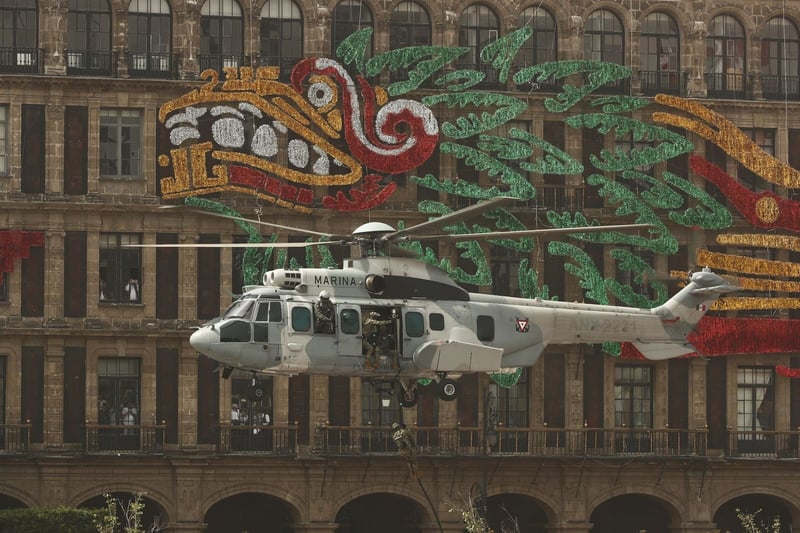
point(301, 319)
point(415, 324)
point(485, 328)
point(240, 309)
point(235, 331)
point(269, 311)
point(349, 321)
point(437, 321)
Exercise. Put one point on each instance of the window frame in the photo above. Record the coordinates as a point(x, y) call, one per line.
point(726, 57)
point(289, 30)
point(19, 40)
point(117, 380)
point(478, 26)
point(625, 409)
point(117, 257)
point(122, 123)
point(780, 59)
point(660, 56)
point(220, 22)
point(344, 24)
point(89, 37)
point(152, 59)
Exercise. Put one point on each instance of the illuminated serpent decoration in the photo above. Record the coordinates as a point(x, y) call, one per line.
point(278, 141)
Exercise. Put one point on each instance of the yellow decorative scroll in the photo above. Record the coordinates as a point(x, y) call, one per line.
point(748, 265)
point(730, 138)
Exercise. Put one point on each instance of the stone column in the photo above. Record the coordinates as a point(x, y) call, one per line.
point(315, 527)
point(54, 393)
point(54, 37)
point(188, 39)
point(54, 139)
point(187, 400)
point(189, 483)
point(695, 41)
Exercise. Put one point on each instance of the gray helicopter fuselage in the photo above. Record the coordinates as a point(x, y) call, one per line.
point(424, 324)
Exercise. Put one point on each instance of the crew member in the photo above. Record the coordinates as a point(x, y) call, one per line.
point(324, 314)
point(404, 441)
point(372, 338)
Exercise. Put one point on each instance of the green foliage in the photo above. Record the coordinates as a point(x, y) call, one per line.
point(403, 58)
point(108, 521)
point(353, 49)
point(752, 524)
point(48, 520)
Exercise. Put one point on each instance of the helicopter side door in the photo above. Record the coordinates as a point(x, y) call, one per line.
point(414, 331)
point(267, 326)
point(349, 335)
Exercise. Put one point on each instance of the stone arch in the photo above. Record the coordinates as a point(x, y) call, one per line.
point(548, 504)
point(151, 493)
point(17, 501)
point(618, 10)
point(659, 511)
point(342, 500)
point(249, 509)
point(149, 515)
point(294, 501)
point(385, 511)
point(775, 503)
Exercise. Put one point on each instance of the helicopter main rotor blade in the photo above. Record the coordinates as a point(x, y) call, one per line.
point(528, 233)
point(262, 223)
point(456, 216)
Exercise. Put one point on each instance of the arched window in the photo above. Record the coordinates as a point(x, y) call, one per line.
point(409, 25)
point(725, 58)
point(780, 55)
point(89, 37)
point(542, 47)
point(281, 35)
point(18, 36)
point(478, 26)
point(349, 16)
point(149, 38)
point(660, 59)
point(604, 40)
point(221, 35)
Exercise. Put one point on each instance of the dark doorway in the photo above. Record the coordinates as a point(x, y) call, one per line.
point(762, 507)
point(631, 513)
point(7, 502)
point(387, 513)
point(151, 514)
point(249, 512)
point(515, 512)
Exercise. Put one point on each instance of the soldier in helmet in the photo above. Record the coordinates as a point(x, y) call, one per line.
point(404, 441)
point(372, 338)
point(324, 314)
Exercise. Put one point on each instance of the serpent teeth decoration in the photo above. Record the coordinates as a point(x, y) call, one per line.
point(287, 143)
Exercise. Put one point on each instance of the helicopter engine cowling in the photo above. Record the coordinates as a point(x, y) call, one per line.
point(286, 279)
point(375, 284)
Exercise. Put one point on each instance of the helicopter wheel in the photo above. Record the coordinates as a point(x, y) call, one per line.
point(409, 398)
point(255, 392)
point(448, 389)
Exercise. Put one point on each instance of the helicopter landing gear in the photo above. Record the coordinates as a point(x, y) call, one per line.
point(255, 392)
point(407, 393)
point(448, 389)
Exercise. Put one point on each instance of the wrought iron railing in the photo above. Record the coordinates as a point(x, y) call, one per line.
point(780, 87)
point(118, 438)
point(258, 439)
point(219, 62)
point(731, 86)
point(662, 81)
point(765, 444)
point(151, 65)
point(462, 441)
point(15, 438)
point(91, 62)
point(20, 60)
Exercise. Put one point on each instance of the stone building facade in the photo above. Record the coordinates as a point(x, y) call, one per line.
point(100, 391)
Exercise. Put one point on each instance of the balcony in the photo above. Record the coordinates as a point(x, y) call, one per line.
point(107, 438)
point(20, 60)
point(15, 438)
point(780, 87)
point(730, 85)
point(91, 62)
point(146, 65)
point(284, 65)
point(542, 442)
point(763, 444)
point(220, 62)
point(662, 81)
point(258, 439)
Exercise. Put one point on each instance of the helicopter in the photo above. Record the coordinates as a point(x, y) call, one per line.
point(394, 319)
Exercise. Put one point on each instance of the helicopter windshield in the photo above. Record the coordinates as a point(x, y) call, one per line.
point(240, 308)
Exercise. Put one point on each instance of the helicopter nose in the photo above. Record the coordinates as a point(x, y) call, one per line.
point(202, 339)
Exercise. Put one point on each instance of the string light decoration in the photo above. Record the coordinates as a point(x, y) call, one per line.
point(729, 137)
point(501, 52)
point(787, 372)
point(403, 58)
point(748, 265)
point(506, 107)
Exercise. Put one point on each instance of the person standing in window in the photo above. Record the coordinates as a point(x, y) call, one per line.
point(132, 288)
point(129, 416)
